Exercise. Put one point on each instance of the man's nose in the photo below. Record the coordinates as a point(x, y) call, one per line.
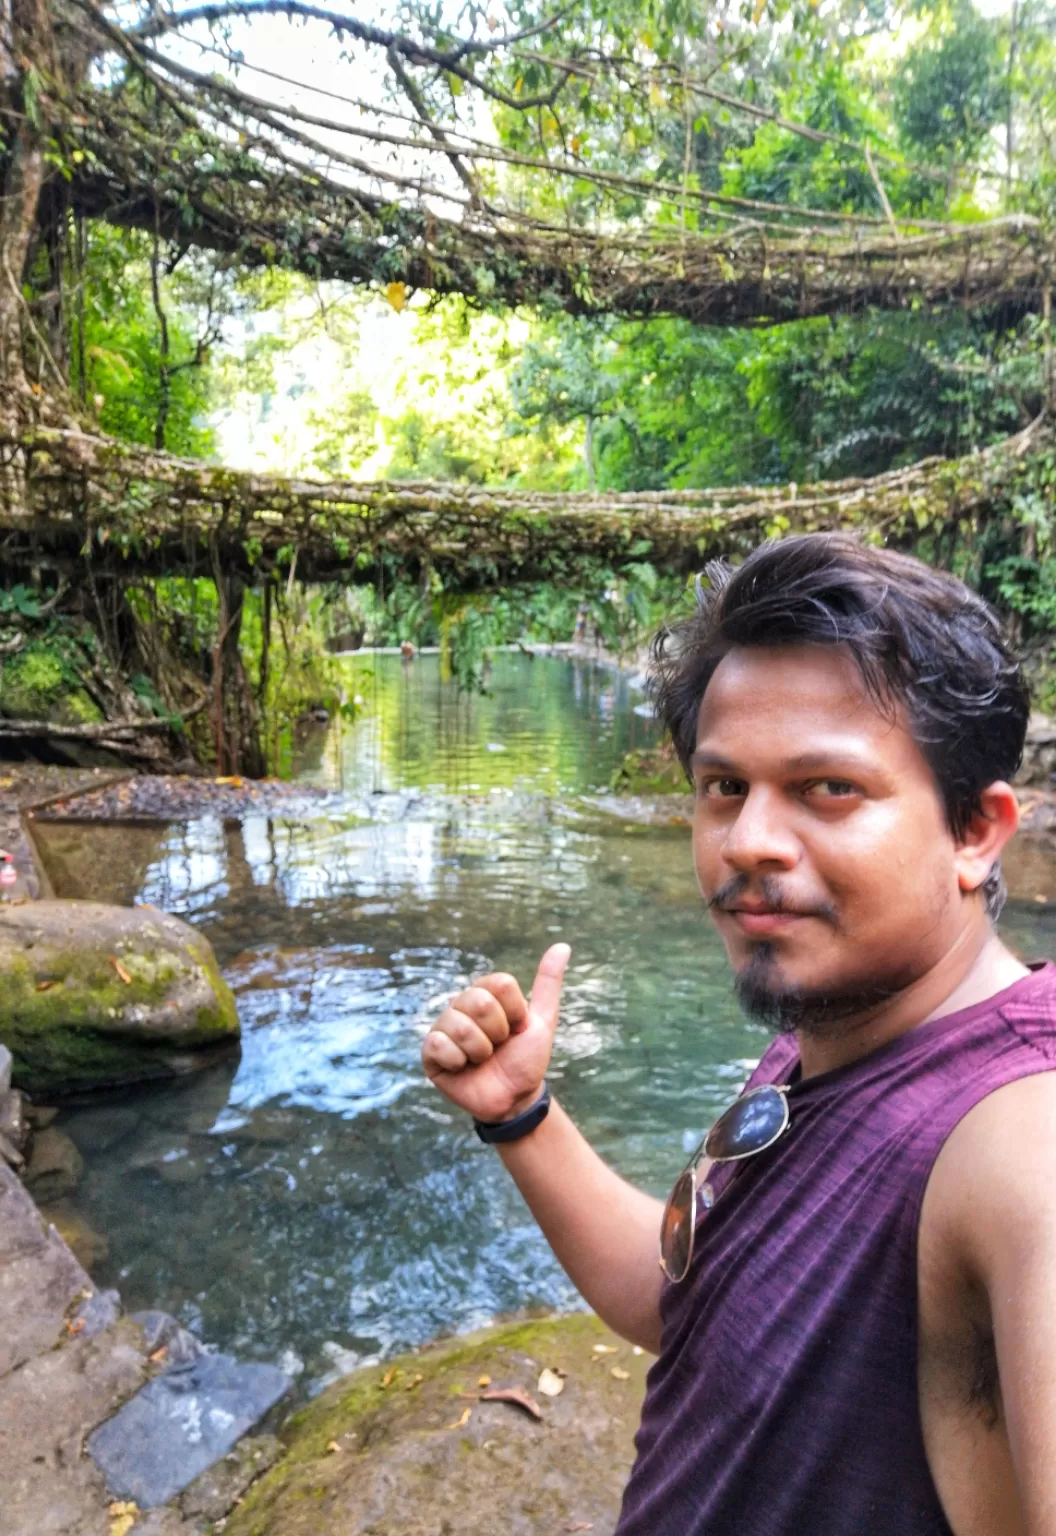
point(761, 834)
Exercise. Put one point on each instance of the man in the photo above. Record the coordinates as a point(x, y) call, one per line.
point(857, 1328)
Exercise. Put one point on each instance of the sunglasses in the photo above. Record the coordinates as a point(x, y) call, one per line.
point(751, 1125)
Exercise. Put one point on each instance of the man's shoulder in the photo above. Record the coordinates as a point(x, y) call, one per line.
point(997, 1164)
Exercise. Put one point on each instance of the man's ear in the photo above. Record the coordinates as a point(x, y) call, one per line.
point(980, 846)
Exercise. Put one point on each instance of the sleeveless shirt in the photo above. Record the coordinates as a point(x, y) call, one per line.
point(784, 1400)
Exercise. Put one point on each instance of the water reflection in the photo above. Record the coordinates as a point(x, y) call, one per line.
point(316, 1200)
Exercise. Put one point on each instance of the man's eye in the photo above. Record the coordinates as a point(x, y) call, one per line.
point(721, 789)
point(832, 789)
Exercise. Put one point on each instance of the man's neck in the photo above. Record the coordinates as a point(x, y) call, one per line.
point(976, 967)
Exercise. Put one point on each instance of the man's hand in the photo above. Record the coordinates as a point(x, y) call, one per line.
point(489, 1050)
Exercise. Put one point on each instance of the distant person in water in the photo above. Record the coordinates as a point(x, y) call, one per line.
point(855, 1310)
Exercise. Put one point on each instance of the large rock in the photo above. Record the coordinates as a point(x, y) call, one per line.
point(409, 1448)
point(95, 995)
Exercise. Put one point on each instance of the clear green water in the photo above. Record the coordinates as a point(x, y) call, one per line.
point(315, 1201)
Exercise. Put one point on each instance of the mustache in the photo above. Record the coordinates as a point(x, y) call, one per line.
point(766, 889)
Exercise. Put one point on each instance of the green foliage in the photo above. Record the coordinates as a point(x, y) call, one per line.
point(115, 336)
point(952, 88)
point(20, 600)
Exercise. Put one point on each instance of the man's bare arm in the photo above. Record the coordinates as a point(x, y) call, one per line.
point(488, 1053)
point(997, 1196)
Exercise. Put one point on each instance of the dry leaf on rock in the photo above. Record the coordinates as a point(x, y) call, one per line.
point(515, 1395)
point(415, 1381)
point(121, 971)
point(484, 1381)
point(580, 1525)
point(332, 1446)
point(122, 1517)
point(550, 1383)
point(620, 1374)
point(389, 1376)
point(605, 1349)
point(460, 1423)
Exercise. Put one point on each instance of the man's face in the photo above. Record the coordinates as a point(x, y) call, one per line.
point(819, 837)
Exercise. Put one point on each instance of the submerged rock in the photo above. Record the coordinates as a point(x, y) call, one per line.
point(55, 1166)
point(96, 995)
point(408, 1448)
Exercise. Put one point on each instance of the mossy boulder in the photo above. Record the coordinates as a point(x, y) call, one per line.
point(40, 683)
point(410, 1449)
point(94, 995)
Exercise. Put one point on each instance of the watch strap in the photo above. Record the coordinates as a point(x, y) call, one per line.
point(496, 1132)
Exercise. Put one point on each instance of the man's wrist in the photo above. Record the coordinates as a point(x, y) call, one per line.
point(527, 1114)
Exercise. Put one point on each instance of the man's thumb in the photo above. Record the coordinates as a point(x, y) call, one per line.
point(546, 988)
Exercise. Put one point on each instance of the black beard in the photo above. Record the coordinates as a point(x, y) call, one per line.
point(764, 994)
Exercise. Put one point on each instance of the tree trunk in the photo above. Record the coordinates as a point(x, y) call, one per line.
point(18, 209)
point(236, 723)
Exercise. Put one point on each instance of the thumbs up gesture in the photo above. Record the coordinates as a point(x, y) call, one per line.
point(489, 1050)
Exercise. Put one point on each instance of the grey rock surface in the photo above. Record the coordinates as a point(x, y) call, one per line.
point(162, 1331)
point(179, 1424)
point(39, 1278)
point(14, 1122)
point(97, 1313)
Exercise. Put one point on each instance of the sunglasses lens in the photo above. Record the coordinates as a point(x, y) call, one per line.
point(676, 1231)
point(748, 1126)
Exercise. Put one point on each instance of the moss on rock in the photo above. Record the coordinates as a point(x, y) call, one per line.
point(95, 995)
point(409, 1449)
point(40, 683)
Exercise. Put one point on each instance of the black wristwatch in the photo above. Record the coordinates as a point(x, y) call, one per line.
point(496, 1132)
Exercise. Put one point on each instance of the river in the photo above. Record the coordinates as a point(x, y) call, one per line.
point(314, 1201)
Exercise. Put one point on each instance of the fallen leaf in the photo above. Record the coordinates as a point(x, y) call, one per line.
point(550, 1383)
point(396, 293)
point(620, 1374)
point(74, 1328)
point(605, 1349)
point(390, 1376)
point(484, 1381)
point(45, 986)
point(158, 1355)
point(122, 1517)
point(580, 1525)
point(460, 1423)
point(332, 1446)
point(516, 1395)
point(120, 969)
point(415, 1381)
point(636, 1349)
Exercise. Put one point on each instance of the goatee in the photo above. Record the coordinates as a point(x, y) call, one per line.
point(767, 995)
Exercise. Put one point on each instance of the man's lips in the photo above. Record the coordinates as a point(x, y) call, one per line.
point(760, 921)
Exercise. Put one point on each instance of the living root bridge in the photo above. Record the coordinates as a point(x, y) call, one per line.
point(134, 512)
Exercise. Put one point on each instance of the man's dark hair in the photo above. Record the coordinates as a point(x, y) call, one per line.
point(922, 641)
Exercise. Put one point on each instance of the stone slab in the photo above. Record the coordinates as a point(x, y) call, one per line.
point(179, 1424)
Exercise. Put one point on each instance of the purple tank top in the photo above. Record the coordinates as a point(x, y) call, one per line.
point(784, 1399)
